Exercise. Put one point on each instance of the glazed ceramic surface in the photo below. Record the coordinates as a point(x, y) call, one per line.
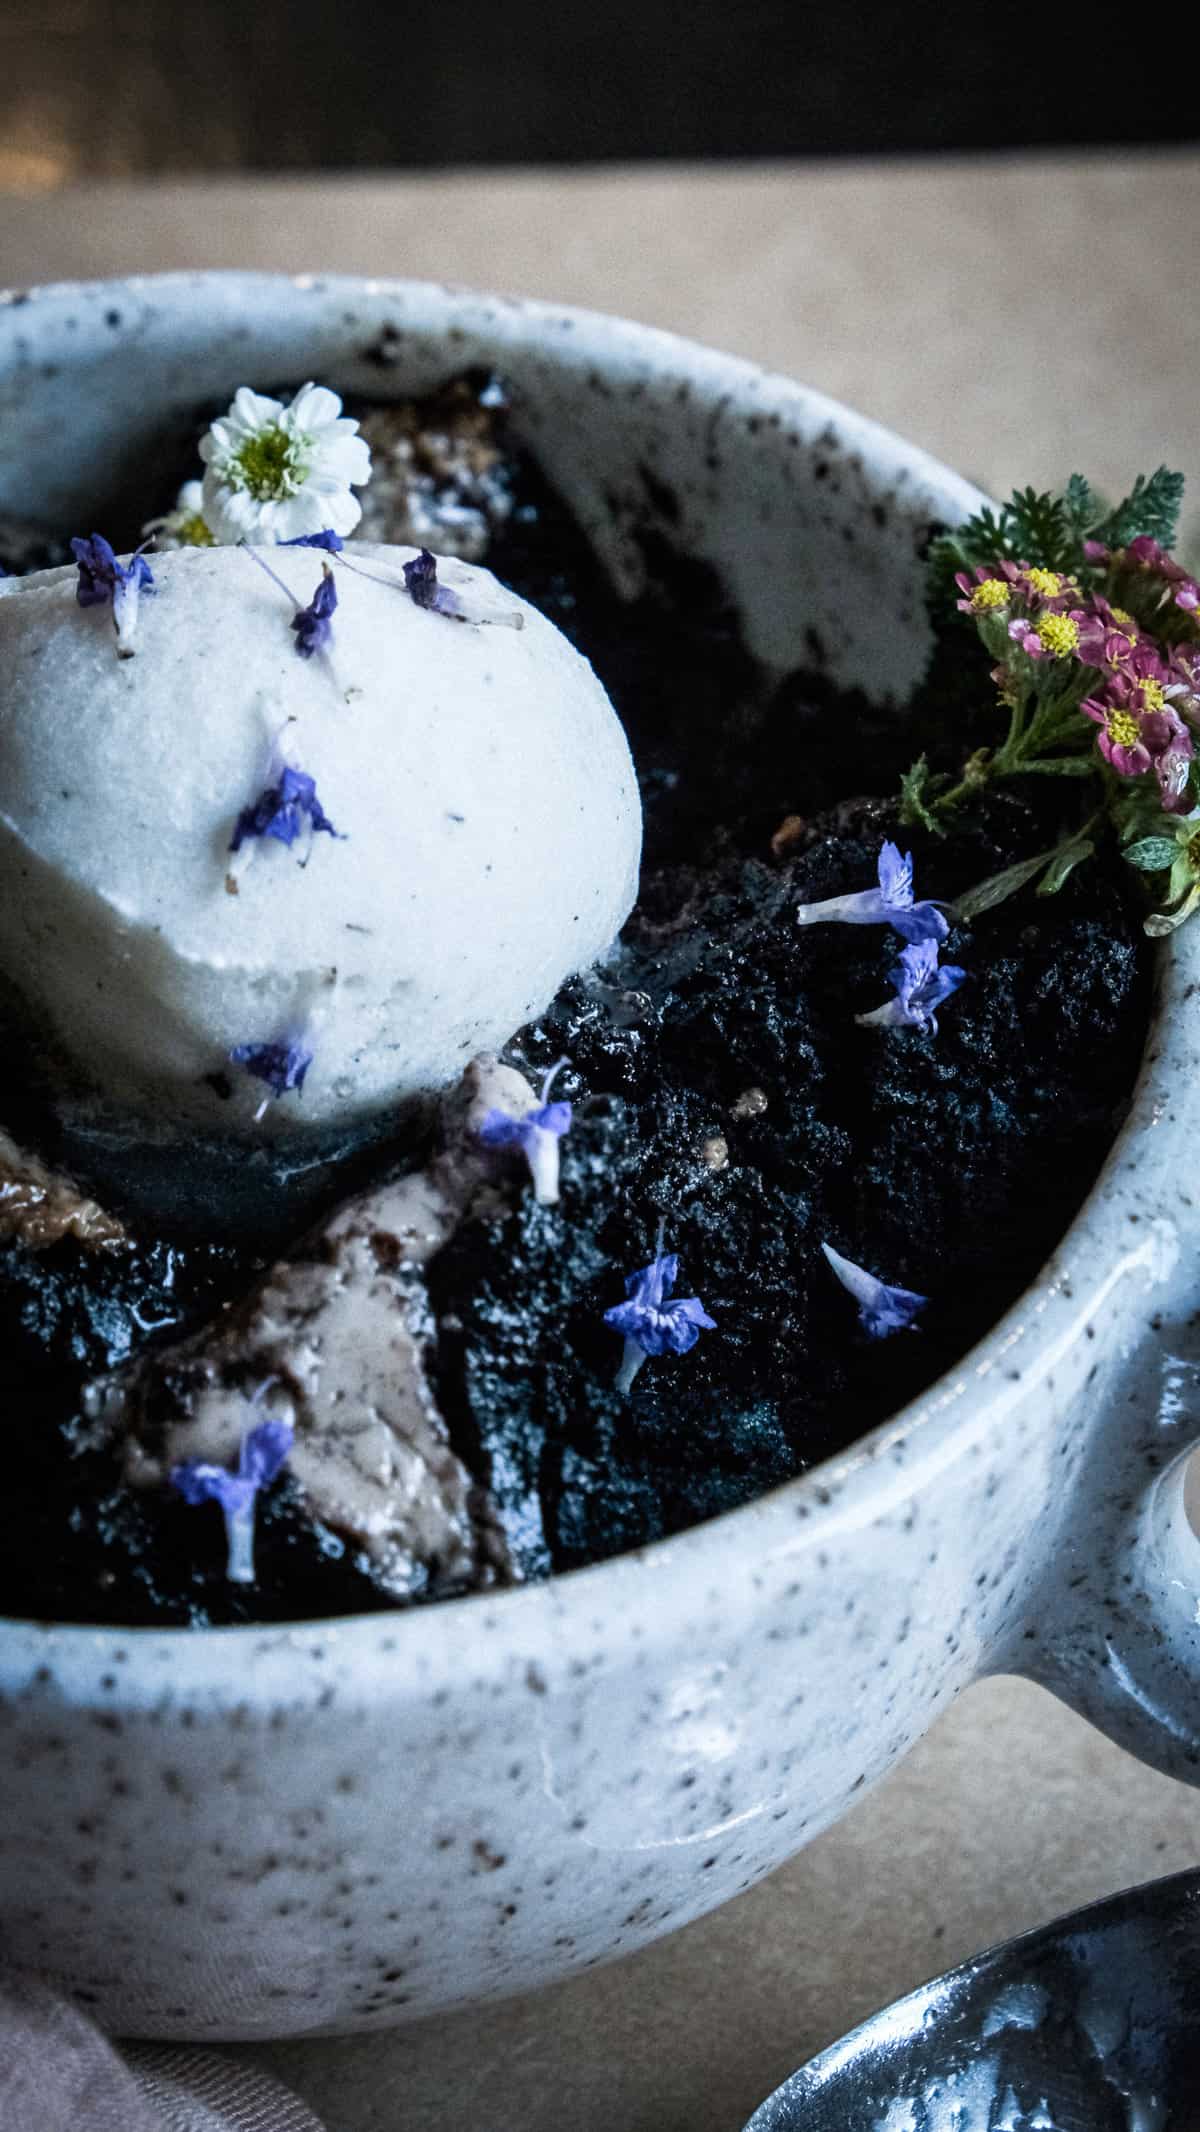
point(1090, 2025)
point(243, 1833)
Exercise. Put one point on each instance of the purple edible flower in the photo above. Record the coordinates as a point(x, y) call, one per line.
point(314, 624)
point(882, 1310)
point(920, 989)
point(329, 540)
point(104, 580)
point(537, 1134)
point(421, 578)
point(263, 1451)
point(281, 1065)
point(652, 1325)
point(420, 581)
point(284, 810)
point(889, 904)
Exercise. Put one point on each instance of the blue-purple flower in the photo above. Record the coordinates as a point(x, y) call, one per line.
point(889, 904)
point(920, 988)
point(285, 809)
point(314, 624)
point(282, 1065)
point(537, 1134)
point(329, 540)
point(421, 579)
point(106, 581)
point(651, 1324)
point(263, 1451)
point(882, 1310)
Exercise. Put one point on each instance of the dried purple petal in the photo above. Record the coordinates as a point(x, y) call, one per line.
point(891, 903)
point(263, 1452)
point(920, 988)
point(314, 624)
point(651, 1324)
point(285, 809)
point(104, 580)
point(537, 1134)
point(881, 1309)
point(329, 540)
point(282, 1065)
point(421, 579)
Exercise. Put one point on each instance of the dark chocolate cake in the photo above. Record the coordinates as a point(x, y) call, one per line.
point(721, 1086)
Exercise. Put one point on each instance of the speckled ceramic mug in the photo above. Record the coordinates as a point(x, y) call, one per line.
point(255, 1833)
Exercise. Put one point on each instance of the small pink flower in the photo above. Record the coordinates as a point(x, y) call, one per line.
point(1138, 727)
point(1096, 551)
point(1047, 591)
point(985, 593)
point(1187, 595)
point(1107, 635)
point(1050, 634)
point(1148, 555)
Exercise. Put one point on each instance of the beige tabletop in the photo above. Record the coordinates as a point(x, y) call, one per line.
point(1019, 318)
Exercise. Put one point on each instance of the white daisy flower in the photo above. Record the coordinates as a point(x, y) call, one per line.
point(273, 473)
point(185, 526)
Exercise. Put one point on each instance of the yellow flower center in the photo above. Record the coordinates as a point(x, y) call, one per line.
point(991, 593)
point(267, 465)
point(1059, 635)
point(1152, 694)
point(1126, 620)
point(194, 533)
point(1047, 583)
point(1123, 729)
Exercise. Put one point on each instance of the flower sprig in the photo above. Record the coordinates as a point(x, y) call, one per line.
point(1092, 628)
point(536, 1134)
point(105, 581)
point(653, 1320)
point(264, 1450)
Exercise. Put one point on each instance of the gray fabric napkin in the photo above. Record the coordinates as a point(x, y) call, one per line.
point(59, 2074)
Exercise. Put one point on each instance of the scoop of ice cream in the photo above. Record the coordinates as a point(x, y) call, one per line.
point(484, 840)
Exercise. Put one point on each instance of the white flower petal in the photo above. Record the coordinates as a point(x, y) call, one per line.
point(314, 408)
point(218, 445)
point(347, 459)
point(252, 411)
point(340, 513)
point(230, 514)
point(330, 458)
point(862, 1285)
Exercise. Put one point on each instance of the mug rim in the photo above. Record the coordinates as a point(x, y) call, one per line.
point(848, 1488)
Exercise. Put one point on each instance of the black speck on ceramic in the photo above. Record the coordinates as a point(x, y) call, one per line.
point(243, 1833)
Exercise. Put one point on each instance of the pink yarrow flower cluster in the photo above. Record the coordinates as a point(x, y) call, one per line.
point(1145, 698)
point(989, 591)
point(1140, 727)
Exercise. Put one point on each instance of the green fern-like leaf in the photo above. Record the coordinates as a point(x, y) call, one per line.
point(1084, 508)
point(917, 787)
point(1040, 530)
point(1033, 527)
point(1152, 507)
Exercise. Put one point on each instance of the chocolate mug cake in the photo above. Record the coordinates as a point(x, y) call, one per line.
point(311, 899)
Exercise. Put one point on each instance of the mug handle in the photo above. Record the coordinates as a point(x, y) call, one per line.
point(1115, 1629)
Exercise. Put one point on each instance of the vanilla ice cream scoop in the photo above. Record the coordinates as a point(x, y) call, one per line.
point(436, 822)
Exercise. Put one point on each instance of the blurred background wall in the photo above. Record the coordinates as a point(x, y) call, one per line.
point(125, 87)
